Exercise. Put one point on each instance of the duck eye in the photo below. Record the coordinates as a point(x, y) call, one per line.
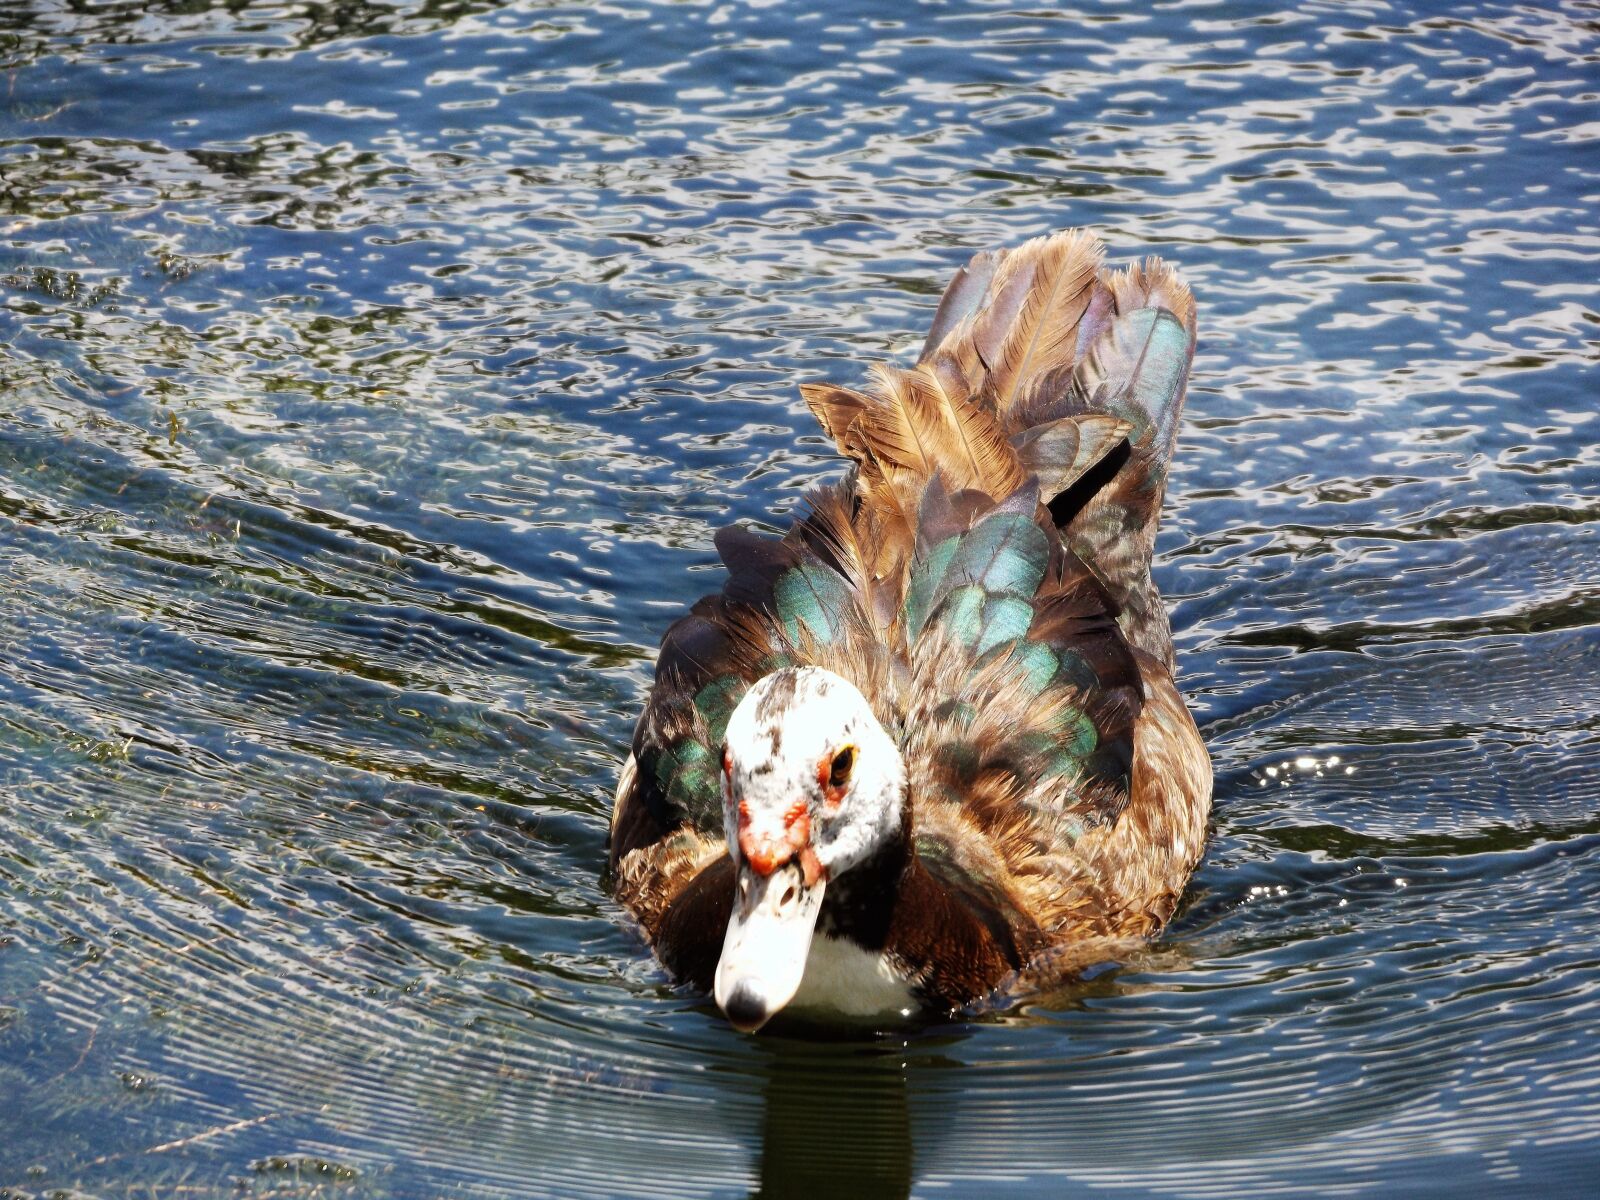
point(839, 771)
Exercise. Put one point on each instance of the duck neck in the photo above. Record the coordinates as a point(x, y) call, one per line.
point(949, 930)
point(860, 904)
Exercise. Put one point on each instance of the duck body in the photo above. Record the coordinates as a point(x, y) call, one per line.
point(928, 746)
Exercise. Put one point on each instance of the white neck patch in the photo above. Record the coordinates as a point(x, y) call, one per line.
point(842, 979)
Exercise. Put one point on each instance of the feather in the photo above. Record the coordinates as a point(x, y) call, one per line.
point(754, 564)
point(869, 555)
point(1031, 328)
point(1138, 372)
point(829, 532)
point(1013, 350)
point(883, 520)
point(1047, 396)
point(937, 519)
point(1097, 317)
point(836, 409)
point(1153, 284)
point(1004, 554)
point(787, 579)
point(916, 425)
point(922, 591)
point(708, 659)
point(814, 596)
point(890, 432)
point(696, 647)
point(972, 437)
point(960, 299)
point(1060, 451)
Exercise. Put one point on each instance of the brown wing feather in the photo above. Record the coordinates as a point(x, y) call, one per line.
point(1042, 338)
point(956, 438)
point(913, 424)
point(1023, 329)
point(1143, 860)
point(836, 409)
point(864, 543)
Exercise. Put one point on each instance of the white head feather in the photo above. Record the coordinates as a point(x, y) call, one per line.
point(785, 742)
point(811, 786)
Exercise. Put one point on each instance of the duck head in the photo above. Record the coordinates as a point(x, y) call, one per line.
point(812, 785)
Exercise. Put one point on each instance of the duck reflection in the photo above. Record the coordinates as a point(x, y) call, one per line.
point(838, 1117)
point(838, 1121)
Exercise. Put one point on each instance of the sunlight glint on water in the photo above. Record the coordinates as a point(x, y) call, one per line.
point(372, 378)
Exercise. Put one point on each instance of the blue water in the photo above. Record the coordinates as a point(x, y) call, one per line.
point(372, 378)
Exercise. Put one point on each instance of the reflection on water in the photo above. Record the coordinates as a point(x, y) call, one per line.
point(818, 1138)
point(371, 380)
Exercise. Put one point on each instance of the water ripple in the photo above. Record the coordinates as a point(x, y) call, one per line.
point(371, 379)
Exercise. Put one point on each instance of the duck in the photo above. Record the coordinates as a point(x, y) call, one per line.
point(926, 750)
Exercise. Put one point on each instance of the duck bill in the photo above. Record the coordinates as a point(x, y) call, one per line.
point(769, 935)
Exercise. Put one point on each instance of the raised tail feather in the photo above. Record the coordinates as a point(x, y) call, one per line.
point(1039, 363)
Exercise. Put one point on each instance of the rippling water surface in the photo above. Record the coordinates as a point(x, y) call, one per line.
point(372, 377)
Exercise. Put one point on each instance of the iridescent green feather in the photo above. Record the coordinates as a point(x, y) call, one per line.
point(715, 703)
point(962, 614)
point(687, 775)
point(1036, 662)
point(1005, 552)
point(815, 596)
point(978, 589)
point(1005, 619)
point(1140, 373)
point(1002, 557)
point(930, 571)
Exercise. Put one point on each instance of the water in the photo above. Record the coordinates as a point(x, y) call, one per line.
point(372, 378)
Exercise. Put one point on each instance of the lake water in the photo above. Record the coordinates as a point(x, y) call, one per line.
point(372, 379)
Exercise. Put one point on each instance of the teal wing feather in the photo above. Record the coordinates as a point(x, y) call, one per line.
point(977, 563)
point(781, 602)
point(1017, 641)
point(1138, 374)
point(708, 661)
point(978, 587)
